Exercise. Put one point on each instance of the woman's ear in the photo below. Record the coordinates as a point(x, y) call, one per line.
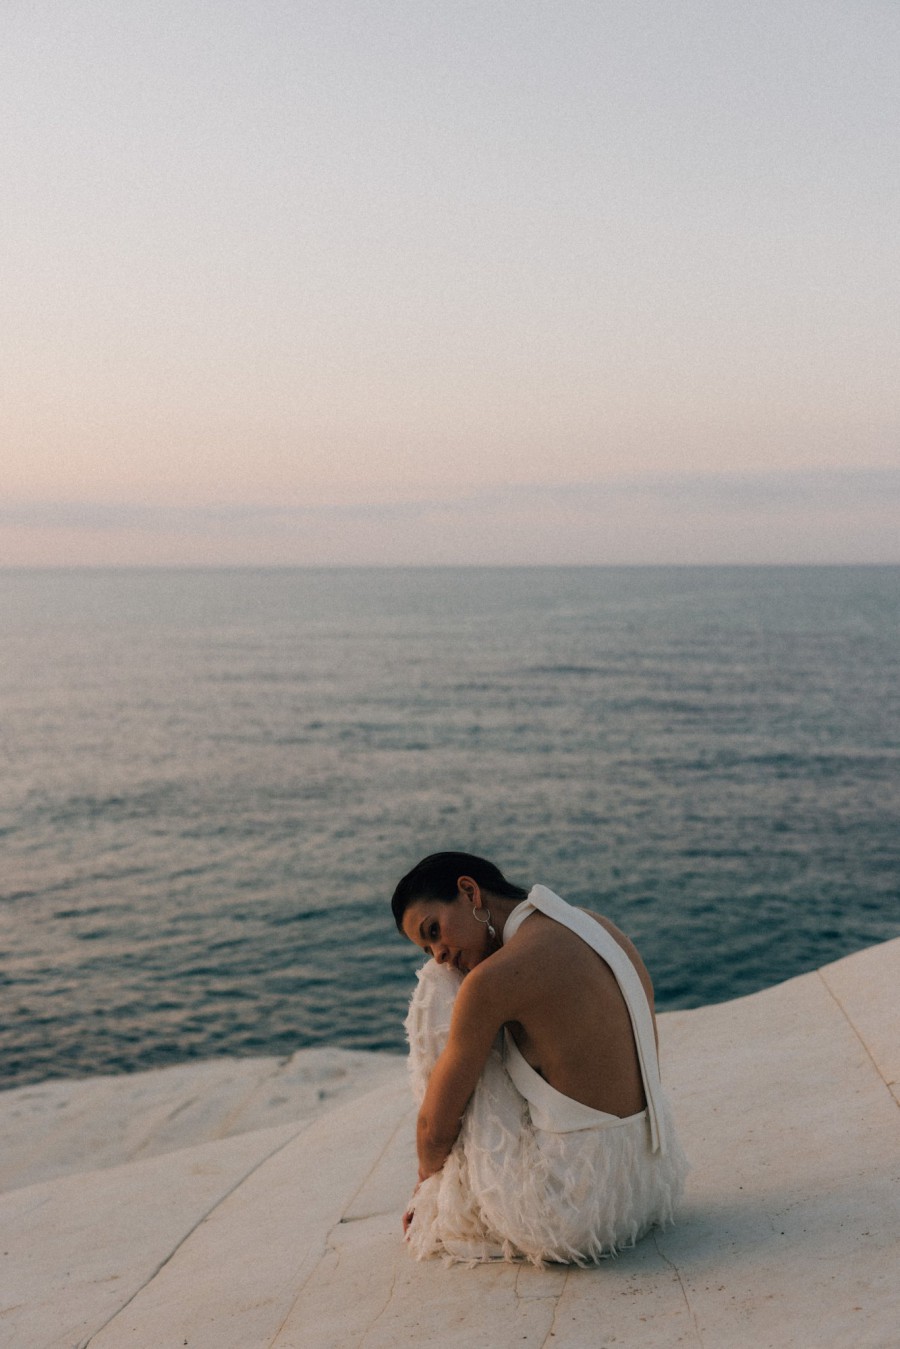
point(470, 890)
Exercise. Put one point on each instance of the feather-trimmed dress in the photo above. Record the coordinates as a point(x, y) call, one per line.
point(534, 1174)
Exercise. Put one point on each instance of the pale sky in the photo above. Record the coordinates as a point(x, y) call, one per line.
point(449, 281)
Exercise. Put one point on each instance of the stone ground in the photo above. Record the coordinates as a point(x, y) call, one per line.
point(242, 1203)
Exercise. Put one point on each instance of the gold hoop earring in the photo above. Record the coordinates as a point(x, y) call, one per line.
point(485, 921)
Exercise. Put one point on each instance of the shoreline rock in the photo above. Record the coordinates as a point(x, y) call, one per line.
point(61, 1126)
point(285, 1233)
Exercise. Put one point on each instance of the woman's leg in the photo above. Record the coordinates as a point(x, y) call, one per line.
point(428, 1022)
point(459, 1211)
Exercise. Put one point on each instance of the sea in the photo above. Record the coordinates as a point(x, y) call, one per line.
point(213, 779)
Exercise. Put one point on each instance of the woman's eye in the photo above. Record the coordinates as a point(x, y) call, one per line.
point(433, 932)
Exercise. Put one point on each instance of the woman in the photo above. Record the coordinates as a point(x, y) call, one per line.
point(543, 1131)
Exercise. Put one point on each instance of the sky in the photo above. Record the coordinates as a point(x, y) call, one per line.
point(429, 282)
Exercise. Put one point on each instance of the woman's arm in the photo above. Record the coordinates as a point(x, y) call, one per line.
point(478, 1014)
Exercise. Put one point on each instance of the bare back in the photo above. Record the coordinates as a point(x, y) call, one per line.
point(573, 1025)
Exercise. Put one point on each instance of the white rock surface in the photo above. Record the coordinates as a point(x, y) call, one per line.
point(55, 1128)
point(287, 1234)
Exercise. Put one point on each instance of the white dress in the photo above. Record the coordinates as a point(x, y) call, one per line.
point(534, 1174)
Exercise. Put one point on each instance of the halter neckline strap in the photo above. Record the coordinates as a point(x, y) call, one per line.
point(542, 900)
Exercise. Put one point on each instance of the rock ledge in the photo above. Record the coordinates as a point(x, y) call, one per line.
point(244, 1203)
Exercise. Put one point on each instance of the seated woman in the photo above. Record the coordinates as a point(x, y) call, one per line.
point(543, 1130)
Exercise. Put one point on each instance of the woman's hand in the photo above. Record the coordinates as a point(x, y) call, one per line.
point(408, 1215)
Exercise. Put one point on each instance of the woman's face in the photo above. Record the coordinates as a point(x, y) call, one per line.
point(448, 932)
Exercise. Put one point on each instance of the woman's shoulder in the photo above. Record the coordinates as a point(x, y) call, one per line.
point(539, 928)
point(538, 956)
point(547, 946)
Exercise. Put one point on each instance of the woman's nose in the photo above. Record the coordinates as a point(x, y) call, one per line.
point(442, 955)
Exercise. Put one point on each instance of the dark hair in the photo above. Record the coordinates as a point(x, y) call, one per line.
point(435, 877)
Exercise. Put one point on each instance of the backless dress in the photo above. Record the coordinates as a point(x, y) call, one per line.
point(534, 1174)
